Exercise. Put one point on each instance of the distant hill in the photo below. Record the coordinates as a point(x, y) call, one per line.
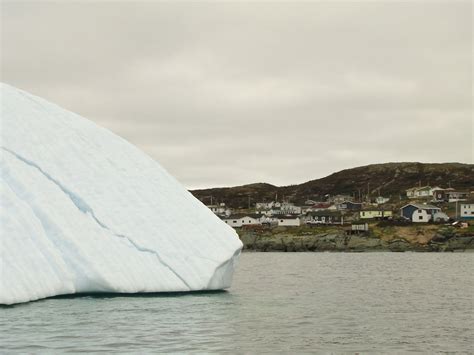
point(389, 179)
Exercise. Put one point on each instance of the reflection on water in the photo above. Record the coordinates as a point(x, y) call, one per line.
point(293, 302)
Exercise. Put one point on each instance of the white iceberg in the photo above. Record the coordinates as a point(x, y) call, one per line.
point(83, 210)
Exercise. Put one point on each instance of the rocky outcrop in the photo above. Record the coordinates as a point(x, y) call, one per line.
point(341, 242)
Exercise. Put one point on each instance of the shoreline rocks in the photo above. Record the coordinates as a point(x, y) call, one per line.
point(338, 241)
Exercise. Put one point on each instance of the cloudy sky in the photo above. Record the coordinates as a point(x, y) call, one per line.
point(225, 94)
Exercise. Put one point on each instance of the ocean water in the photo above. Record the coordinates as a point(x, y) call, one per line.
point(291, 302)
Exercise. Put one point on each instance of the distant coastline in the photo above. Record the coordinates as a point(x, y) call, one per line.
point(393, 207)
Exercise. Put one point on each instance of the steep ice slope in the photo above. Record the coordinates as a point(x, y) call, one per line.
point(82, 210)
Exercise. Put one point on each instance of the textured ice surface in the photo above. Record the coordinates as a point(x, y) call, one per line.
point(83, 210)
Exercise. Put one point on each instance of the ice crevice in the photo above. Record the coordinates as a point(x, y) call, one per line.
point(86, 209)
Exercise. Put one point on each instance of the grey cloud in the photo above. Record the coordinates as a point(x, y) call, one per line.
point(232, 93)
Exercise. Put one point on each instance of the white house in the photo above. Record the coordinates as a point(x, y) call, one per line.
point(290, 208)
point(450, 195)
point(454, 195)
point(467, 210)
point(284, 208)
point(289, 221)
point(421, 192)
point(419, 213)
point(238, 221)
point(220, 209)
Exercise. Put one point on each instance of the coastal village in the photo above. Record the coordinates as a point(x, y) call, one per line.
point(420, 205)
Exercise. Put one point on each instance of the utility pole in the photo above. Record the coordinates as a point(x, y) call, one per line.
point(249, 201)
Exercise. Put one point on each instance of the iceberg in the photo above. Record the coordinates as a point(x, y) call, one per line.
point(85, 211)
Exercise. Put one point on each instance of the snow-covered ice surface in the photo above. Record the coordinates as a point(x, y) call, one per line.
point(83, 210)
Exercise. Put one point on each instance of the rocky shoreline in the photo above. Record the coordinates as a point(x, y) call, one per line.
point(337, 240)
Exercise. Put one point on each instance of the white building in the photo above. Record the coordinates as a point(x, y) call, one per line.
point(467, 210)
point(421, 216)
point(419, 213)
point(422, 192)
point(450, 195)
point(238, 221)
point(267, 205)
point(220, 209)
point(290, 208)
point(289, 221)
point(278, 208)
point(454, 196)
point(419, 192)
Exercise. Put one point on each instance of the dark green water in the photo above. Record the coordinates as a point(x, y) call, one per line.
point(291, 302)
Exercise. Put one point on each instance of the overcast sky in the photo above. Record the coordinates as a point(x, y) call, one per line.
point(234, 93)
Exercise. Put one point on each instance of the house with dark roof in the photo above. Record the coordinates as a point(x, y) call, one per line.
point(349, 205)
point(419, 213)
